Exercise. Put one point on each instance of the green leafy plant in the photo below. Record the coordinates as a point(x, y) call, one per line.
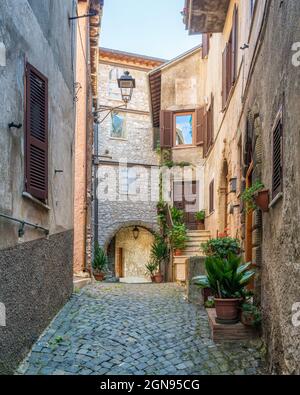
point(100, 260)
point(221, 247)
point(169, 163)
point(209, 304)
point(177, 215)
point(159, 250)
point(151, 268)
point(253, 312)
point(200, 216)
point(178, 236)
point(249, 195)
point(227, 278)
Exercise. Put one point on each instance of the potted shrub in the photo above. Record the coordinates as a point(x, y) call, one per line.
point(200, 219)
point(227, 278)
point(177, 215)
point(100, 263)
point(221, 247)
point(151, 271)
point(256, 196)
point(159, 254)
point(178, 238)
point(251, 315)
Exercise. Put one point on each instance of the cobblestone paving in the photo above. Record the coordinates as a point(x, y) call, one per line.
point(135, 330)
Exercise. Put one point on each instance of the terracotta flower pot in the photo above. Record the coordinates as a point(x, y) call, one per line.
point(99, 276)
point(262, 200)
point(177, 252)
point(247, 318)
point(227, 310)
point(158, 278)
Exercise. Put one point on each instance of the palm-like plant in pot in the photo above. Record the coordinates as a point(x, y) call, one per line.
point(159, 254)
point(100, 263)
point(228, 279)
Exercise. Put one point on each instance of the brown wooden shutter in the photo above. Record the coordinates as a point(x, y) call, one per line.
point(36, 134)
point(229, 77)
point(210, 124)
point(166, 129)
point(200, 125)
point(234, 49)
point(211, 196)
point(205, 45)
point(224, 79)
point(277, 160)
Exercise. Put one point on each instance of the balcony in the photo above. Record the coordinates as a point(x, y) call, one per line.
point(205, 16)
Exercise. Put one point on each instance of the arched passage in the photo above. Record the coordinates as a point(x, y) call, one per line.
point(128, 249)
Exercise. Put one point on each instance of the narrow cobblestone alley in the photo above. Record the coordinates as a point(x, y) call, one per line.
point(136, 329)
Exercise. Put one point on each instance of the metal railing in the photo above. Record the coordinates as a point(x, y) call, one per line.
point(23, 224)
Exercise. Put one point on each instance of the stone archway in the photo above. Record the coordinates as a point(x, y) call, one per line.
point(127, 254)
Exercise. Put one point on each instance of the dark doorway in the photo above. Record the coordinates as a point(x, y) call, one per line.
point(186, 196)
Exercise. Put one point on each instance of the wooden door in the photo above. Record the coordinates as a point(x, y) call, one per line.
point(120, 263)
point(186, 198)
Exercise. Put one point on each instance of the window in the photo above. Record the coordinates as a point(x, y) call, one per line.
point(118, 125)
point(229, 60)
point(36, 133)
point(128, 179)
point(113, 89)
point(184, 129)
point(211, 196)
point(209, 138)
point(277, 179)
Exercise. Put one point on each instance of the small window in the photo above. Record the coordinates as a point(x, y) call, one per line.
point(128, 179)
point(184, 129)
point(277, 179)
point(211, 196)
point(118, 127)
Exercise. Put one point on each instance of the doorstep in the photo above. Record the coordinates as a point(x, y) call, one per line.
point(236, 332)
point(80, 282)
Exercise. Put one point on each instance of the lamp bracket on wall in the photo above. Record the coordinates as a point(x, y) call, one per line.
point(103, 109)
point(92, 13)
point(12, 125)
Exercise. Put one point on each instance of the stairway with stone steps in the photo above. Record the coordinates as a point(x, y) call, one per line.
point(196, 238)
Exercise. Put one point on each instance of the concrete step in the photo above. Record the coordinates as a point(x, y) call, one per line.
point(80, 282)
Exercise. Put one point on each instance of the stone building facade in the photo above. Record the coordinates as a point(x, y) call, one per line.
point(86, 90)
point(37, 121)
point(124, 197)
point(255, 138)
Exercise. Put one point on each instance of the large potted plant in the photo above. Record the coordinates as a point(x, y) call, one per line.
point(200, 219)
point(227, 278)
point(100, 263)
point(178, 238)
point(256, 196)
point(151, 270)
point(159, 254)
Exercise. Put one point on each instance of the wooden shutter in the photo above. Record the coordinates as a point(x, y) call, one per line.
point(36, 134)
point(234, 46)
point(166, 129)
point(205, 45)
point(224, 80)
point(277, 159)
point(229, 77)
point(200, 125)
point(211, 196)
point(210, 124)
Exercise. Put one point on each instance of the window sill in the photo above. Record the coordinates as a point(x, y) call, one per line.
point(276, 200)
point(118, 138)
point(178, 147)
point(28, 196)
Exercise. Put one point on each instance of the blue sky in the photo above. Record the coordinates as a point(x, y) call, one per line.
point(147, 27)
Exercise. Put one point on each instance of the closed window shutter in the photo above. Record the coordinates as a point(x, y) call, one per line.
point(36, 139)
point(210, 124)
point(224, 79)
point(200, 125)
point(229, 77)
point(277, 159)
point(205, 45)
point(166, 129)
point(234, 49)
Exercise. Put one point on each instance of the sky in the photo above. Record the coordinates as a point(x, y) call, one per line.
point(146, 27)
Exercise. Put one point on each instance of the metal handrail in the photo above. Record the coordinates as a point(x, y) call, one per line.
point(23, 224)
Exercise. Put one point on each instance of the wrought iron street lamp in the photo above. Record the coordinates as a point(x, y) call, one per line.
point(136, 233)
point(126, 83)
